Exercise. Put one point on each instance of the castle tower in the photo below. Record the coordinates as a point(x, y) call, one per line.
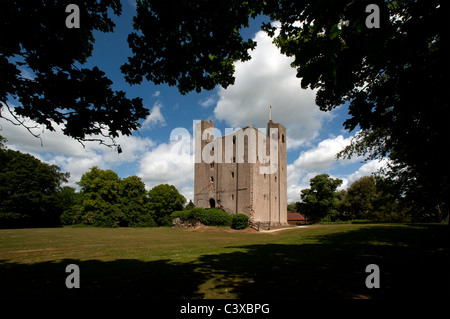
point(242, 172)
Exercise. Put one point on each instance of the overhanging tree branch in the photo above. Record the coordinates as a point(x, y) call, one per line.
point(19, 122)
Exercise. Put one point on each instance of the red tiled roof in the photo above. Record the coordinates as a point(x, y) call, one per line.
point(295, 217)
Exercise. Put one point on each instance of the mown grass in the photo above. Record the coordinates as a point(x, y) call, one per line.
point(319, 261)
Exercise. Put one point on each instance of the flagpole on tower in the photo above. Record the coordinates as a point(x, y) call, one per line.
point(270, 112)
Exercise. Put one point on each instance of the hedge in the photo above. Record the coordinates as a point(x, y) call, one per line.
point(240, 221)
point(208, 217)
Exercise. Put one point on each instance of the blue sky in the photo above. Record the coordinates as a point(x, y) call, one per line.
point(313, 137)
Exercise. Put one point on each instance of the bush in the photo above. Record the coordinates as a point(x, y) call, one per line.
point(182, 214)
point(240, 221)
point(208, 217)
point(212, 217)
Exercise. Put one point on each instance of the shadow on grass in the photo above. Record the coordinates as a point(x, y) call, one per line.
point(413, 263)
point(123, 278)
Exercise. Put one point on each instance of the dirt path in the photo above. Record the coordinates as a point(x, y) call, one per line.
point(280, 229)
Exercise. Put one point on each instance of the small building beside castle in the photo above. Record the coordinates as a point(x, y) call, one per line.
point(242, 172)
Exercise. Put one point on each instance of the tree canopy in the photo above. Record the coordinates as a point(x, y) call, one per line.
point(41, 68)
point(319, 200)
point(110, 201)
point(165, 199)
point(28, 190)
point(100, 191)
point(374, 198)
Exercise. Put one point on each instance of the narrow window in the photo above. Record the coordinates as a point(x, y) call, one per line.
point(234, 159)
point(211, 179)
point(282, 138)
point(232, 196)
point(232, 174)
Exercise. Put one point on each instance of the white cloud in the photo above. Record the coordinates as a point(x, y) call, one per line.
point(268, 79)
point(367, 169)
point(323, 156)
point(208, 101)
point(68, 153)
point(163, 165)
point(321, 159)
point(155, 117)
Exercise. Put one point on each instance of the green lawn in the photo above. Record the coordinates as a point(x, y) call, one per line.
point(319, 261)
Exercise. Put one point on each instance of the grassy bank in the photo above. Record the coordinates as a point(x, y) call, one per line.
point(319, 261)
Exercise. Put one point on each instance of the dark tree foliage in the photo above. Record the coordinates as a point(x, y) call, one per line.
point(36, 43)
point(393, 78)
point(70, 201)
point(190, 44)
point(29, 191)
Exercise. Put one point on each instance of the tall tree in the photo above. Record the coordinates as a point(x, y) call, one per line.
point(361, 195)
point(165, 199)
point(394, 78)
point(320, 199)
point(100, 191)
point(28, 190)
point(134, 203)
point(41, 70)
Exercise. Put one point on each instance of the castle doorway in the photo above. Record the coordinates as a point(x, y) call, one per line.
point(212, 203)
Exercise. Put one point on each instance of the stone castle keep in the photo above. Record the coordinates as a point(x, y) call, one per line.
point(242, 172)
